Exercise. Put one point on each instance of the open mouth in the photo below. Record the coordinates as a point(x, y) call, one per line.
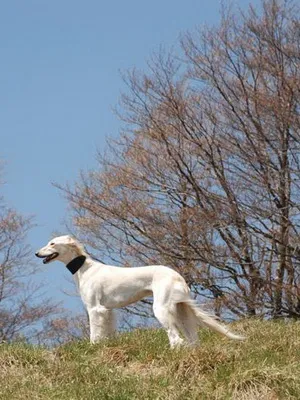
point(46, 259)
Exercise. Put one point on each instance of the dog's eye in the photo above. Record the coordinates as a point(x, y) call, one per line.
point(52, 244)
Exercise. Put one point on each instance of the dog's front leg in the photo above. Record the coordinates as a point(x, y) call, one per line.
point(100, 323)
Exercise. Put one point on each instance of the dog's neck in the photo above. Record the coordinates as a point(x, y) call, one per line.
point(75, 264)
point(80, 275)
point(73, 260)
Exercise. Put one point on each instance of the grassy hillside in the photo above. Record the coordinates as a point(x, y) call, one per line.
point(139, 365)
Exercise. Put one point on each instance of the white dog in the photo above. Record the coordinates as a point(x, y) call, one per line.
point(104, 287)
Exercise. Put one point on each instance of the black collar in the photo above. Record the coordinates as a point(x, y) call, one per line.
point(75, 264)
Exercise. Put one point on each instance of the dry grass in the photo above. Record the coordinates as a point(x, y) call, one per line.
point(139, 365)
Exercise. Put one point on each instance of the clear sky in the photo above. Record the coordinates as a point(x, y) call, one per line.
point(60, 79)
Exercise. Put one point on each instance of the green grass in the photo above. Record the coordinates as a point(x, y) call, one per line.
point(139, 365)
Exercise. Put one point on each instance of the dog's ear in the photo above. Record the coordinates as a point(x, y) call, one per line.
point(78, 247)
point(70, 239)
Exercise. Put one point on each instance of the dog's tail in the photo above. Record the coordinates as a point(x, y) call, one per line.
point(205, 319)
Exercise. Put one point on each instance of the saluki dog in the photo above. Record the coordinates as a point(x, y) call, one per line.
point(103, 287)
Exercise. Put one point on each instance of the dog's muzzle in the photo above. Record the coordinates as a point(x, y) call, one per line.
point(47, 258)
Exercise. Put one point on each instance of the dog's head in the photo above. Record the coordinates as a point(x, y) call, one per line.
point(62, 248)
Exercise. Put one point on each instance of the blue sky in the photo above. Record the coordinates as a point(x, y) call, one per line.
point(60, 79)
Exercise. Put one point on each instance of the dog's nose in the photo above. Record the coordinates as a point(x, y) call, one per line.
point(37, 253)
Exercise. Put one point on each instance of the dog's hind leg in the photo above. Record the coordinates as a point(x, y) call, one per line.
point(166, 319)
point(165, 311)
point(187, 323)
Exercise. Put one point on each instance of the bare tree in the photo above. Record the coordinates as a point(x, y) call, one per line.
point(205, 177)
point(63, 329)
point(23, 309)
point(252, 71)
